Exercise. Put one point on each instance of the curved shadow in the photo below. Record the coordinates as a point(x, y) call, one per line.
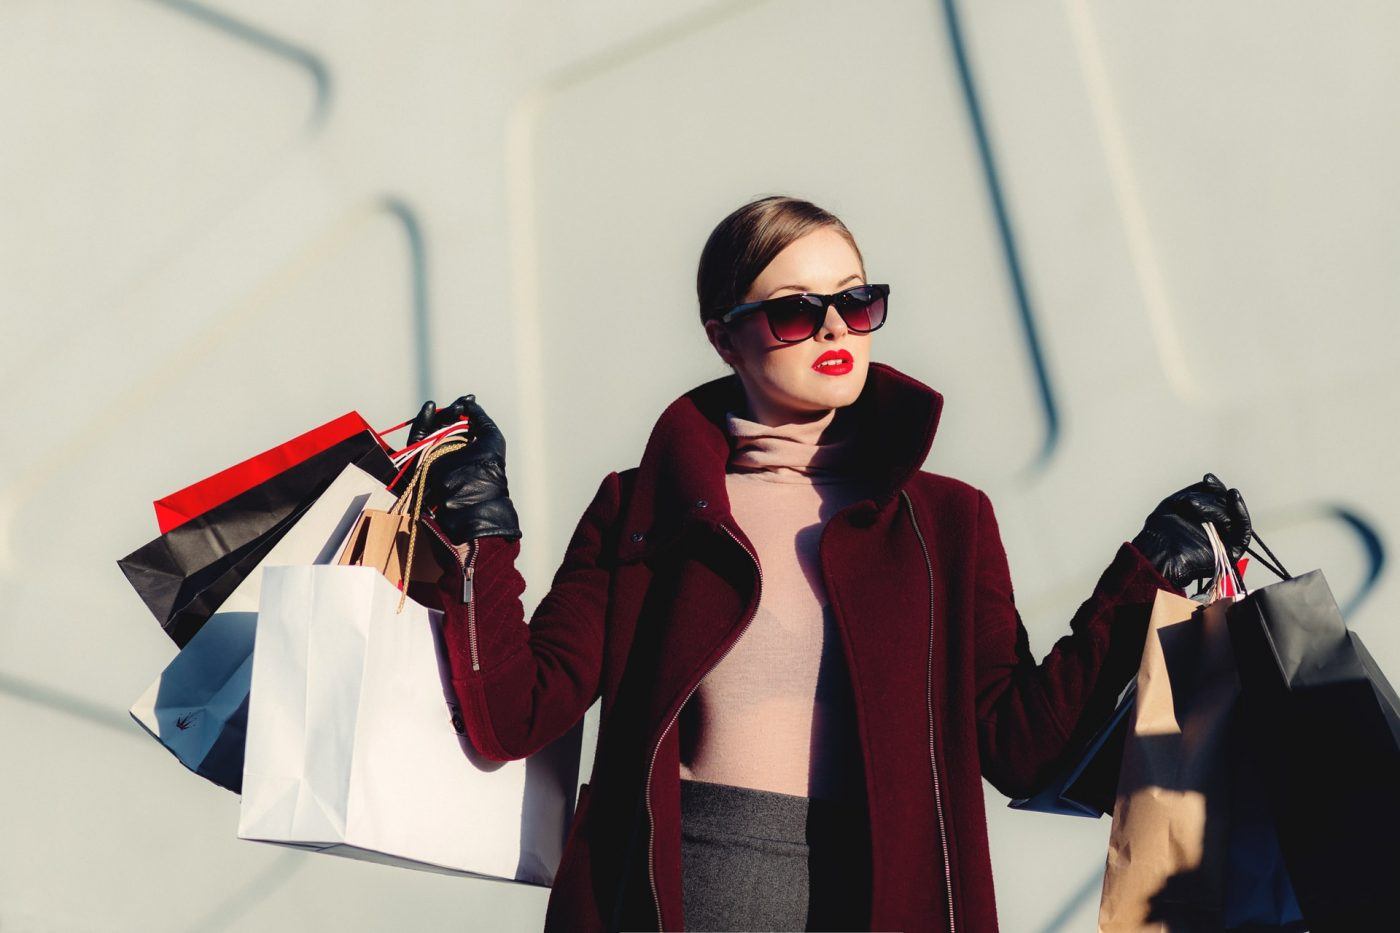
point(401, 211)
point(1375, 555)
point(266, 41)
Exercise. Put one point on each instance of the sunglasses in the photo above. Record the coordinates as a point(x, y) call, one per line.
point(795, 318)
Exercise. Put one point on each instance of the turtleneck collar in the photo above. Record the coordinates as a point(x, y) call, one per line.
point(819, 451)
point(681, 479)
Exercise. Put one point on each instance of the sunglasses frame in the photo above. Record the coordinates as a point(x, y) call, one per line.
point(882, 291)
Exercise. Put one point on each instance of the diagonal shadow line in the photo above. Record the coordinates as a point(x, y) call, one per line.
point(1010, 254)
point(268, 42)
point(236, 905)
point(231, 907)
point(521, 182)
point(69, 703)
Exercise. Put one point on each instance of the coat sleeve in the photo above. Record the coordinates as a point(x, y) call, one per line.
point(521, 686)
point(1030, 714)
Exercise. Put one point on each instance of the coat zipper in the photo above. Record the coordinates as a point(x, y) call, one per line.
point(468, 570)
point(646, 790)
point(932, 754)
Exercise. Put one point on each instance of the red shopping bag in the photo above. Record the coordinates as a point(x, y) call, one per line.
point(179, 507)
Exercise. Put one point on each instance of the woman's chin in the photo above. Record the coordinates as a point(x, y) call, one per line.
point(831, 391)
point(840, 389)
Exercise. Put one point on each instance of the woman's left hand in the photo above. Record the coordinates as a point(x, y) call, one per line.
point(466, 488)
point(1174, 541)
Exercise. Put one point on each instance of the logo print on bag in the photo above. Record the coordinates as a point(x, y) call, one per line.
point(187, 720)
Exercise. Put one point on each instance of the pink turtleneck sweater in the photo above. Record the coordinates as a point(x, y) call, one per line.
point(776, 712)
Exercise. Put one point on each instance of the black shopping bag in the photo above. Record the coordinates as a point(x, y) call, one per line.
point(1259, 896)
point(1087, 783)
point(1323, 726)
point(185, 574)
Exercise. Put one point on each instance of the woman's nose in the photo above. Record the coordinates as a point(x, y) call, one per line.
point(835, 324)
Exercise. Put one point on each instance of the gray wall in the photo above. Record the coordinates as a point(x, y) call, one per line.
point(1129, 242)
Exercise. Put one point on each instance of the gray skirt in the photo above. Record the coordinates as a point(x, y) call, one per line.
point(757, 860)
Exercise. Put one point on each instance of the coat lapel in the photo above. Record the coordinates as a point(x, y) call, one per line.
point(697, 570)
point(679, 523)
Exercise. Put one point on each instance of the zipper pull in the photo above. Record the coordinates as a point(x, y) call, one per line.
point(467, 583)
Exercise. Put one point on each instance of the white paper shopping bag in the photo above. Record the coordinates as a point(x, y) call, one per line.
point(197, 707)
point(352, 748)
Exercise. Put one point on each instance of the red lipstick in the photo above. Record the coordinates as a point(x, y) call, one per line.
point(841, 363)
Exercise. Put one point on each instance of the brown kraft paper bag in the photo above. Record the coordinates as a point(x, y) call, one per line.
point(388, 541)
point(1167, 848)
point(380, 540)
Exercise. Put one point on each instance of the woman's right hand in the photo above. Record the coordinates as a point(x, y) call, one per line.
point(466, 488)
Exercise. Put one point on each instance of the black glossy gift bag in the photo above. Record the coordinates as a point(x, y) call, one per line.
point(1322, 724)
point(185, 574)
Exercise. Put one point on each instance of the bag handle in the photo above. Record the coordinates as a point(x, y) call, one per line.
point(1224, 566)
point(1227, 581)
point(1278, 571)
point(410, 503)
point(401, 456)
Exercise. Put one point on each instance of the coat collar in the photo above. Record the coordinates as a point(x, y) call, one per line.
point(681, 478)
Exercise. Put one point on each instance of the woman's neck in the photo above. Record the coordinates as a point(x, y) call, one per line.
point(815, 449)
point(775, 416)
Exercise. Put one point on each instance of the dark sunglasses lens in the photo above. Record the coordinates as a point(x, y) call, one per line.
point(863, 309)
point(794, 319)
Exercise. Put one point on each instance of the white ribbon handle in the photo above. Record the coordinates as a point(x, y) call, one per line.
point(408, 453)
point(1227, 582)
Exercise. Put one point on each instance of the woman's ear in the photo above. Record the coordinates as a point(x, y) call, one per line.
point(722, 340)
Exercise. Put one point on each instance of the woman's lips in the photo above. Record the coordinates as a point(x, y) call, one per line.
point(840, 363)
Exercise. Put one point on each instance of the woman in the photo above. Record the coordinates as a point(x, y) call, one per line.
point(807, 648)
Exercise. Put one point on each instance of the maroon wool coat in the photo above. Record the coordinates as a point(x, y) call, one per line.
point(658, 582)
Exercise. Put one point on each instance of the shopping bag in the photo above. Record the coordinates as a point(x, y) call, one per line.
point(355, 745)
point(185, 574)
point(1088, 784)
point(198, 707)
point(1168, 843)
point(1258, 893)
point(1323, 723)
point(386, 539)
point(194, 500)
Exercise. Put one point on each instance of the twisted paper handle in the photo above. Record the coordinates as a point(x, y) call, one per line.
point(411, 499)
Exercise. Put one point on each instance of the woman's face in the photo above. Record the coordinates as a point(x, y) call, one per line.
point(780, 379)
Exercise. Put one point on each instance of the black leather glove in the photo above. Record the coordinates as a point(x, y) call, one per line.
point(466, 489)
point(1174, 541)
